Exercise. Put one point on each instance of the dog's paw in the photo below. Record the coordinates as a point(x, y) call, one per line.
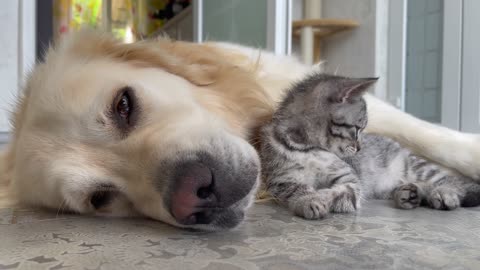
point(443, 198)
point(311, 207)
point(407, 196)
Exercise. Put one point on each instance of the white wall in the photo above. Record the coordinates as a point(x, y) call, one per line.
point(353, 52)
point(17, 52)
point(361, 52)
point(9, 65)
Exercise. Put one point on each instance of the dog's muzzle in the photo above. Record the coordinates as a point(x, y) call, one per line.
point(208, 191)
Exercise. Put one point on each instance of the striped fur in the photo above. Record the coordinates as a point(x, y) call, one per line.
point(316, 159)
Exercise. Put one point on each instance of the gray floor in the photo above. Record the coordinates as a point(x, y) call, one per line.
point(377, 237)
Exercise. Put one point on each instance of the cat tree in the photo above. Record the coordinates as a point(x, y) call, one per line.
point(312, 29)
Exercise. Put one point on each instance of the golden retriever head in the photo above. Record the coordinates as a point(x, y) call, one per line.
point(154, 128)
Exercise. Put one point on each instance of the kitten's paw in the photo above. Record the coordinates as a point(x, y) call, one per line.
point(345, 203)
point(311, 207)
point(407, 196)
point(443, 198)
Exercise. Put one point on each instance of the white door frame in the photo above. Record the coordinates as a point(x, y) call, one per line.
point(279, 21)
point(197, 21)
point(27, 41)
point(279, 26)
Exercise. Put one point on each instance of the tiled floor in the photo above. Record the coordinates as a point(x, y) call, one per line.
point(377, 237)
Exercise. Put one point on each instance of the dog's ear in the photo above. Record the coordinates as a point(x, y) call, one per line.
point(194, 62)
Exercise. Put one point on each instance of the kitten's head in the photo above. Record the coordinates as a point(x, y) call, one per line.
point(323, 111)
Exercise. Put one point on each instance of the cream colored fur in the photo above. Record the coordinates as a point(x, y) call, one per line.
point(62, 142)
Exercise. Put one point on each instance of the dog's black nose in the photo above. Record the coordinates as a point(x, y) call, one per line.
point(204, 187)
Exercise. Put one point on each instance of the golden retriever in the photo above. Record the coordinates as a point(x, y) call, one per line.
point(165, 129)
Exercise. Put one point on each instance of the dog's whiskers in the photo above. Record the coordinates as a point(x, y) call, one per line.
point(336, 71)
point(255, 142)
point(61, 208)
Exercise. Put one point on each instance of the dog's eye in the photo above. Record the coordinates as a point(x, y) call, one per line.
point(123, 107)
point(101, 198)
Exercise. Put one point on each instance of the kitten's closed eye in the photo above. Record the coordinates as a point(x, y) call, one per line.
point(345, 125)
point(345, 131)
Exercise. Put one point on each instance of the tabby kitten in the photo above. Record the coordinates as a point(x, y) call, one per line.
point(316, 160)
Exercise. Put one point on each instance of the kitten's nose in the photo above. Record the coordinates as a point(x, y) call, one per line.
point(357, 146)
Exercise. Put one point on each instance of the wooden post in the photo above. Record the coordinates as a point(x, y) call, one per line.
point(312, 10)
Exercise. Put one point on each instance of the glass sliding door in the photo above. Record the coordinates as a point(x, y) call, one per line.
point(238, 21)
point(423, 88)
point(470, 94)
point(434, 61)
point(262, 24)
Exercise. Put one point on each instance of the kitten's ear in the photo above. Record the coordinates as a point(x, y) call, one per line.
point(352, 88)
point(293, 135)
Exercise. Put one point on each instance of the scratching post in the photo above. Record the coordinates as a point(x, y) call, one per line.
point(312, 9)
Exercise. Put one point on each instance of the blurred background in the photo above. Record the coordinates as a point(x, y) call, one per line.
point(425, 51)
